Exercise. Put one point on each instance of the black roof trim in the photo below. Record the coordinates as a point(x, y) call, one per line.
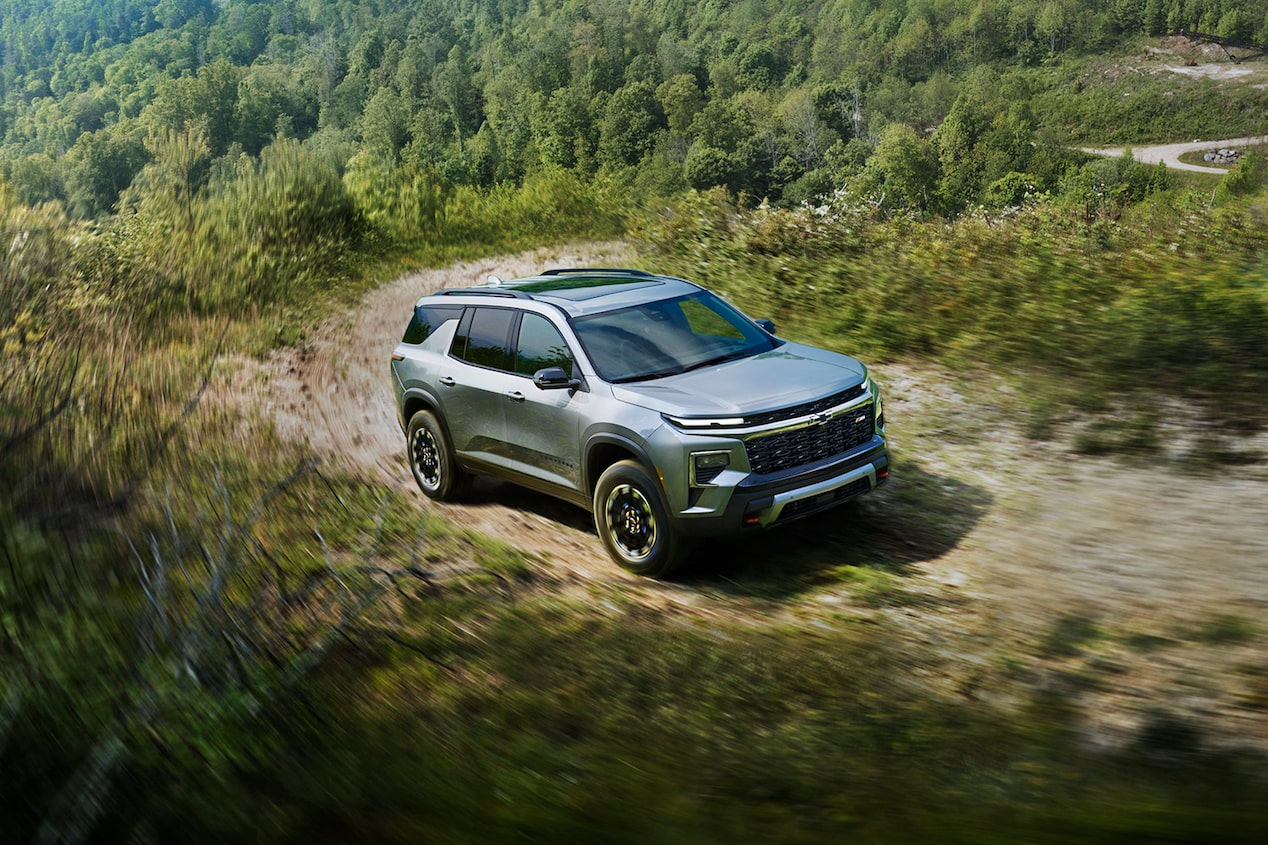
point(505, 293)
point(622, 271)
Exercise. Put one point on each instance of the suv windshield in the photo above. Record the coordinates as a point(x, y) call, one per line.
point(668, 337)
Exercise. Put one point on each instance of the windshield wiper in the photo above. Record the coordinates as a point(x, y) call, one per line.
point(721, 359)
point(654, 374)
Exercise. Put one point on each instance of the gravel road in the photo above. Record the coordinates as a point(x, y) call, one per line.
point(1169, 154)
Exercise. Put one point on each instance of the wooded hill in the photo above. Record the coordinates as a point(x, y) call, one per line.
point(783, 101)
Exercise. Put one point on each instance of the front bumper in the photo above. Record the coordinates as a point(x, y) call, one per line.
point(765, 501)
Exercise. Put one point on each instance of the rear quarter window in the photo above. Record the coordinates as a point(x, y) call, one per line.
point(428, 318)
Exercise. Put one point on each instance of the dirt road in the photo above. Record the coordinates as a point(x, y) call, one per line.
point(1169, 154)
point(1004, 564)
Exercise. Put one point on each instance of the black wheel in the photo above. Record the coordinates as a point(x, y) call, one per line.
point(631, 518)
point(432, 460)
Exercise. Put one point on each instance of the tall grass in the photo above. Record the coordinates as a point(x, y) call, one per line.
point(1171, 295)
point(416, 208)
point(229, 643)
point(164, 571)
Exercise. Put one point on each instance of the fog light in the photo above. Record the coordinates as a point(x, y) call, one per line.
point(706, 466)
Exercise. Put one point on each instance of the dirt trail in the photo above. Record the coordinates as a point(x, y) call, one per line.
point(335, 396)
point(1169, 154)
point(1019, 536)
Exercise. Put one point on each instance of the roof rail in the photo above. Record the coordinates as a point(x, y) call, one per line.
point(504, 293)
point(615, 271)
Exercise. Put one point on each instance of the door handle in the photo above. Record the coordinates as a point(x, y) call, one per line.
point(515, 396)
point(447, 381)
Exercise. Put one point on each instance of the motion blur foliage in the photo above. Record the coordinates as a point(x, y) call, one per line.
point(168, 568)
point(1248, 177)
point(39, 250)
point(1117, 296)
point(265, 230)
point(406, 207)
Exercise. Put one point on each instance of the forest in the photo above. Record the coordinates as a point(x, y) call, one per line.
point(780, 102)
point(210, 633)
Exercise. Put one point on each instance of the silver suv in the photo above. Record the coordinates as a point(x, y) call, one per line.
point(646, 399)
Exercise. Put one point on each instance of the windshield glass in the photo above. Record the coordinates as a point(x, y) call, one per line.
point(668, 337)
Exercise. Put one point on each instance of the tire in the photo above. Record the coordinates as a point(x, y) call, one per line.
point(431, 459)
point(633, 521)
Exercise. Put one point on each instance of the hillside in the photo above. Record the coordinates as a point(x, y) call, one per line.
point(774, 100)
point(226, 615)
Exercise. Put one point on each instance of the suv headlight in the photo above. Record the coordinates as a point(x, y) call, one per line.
point(706, 466)
point(880, 408)
point(710, 422)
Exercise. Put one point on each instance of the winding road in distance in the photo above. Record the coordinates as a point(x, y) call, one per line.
point(1169, 154)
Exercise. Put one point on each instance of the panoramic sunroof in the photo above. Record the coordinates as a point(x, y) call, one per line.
point(579, 289)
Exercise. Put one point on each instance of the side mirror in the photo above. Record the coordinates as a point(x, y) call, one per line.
point(554, 378)
point(767, 326)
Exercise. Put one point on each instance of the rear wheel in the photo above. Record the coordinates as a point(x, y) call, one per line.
point(633, 521)
point(431, 458)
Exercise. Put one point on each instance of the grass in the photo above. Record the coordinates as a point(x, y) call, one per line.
point(1225, 629)
point(1119, 306)
point(362, 671)
point(1069, 636)
point(544, 718)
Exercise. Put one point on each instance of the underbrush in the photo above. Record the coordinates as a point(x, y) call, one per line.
point(169, 568)
point(542, 719)
point(1170, 296)
point(1114, 101)
point(172, 571)
point(209, 636)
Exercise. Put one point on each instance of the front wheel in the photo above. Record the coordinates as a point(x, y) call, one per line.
point(432, 460)
point(633, 521)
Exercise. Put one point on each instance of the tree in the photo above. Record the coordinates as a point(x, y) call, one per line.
point(722, 124)
point(901, 171)
point(630, 124)
point(36, 178)
point(839, 106)
point(99, 166)
point(564, 129)
point(261, 103)
point(708, 166)
point(212, 94)
point(986, 134)
point(681, 100)
point(810, 138)
point(759, 67)
point(383, 124)
point(1052, 25)
point(457, 94)
point(914, 47)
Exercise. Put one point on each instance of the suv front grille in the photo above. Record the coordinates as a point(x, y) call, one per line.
point(789, 449)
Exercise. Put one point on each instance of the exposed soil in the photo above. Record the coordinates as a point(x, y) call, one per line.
point(1005, 565)
point(1190, 57)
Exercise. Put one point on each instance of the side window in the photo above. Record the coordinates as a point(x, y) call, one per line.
point(428, 318)
point(482, 338)
point(540, 345)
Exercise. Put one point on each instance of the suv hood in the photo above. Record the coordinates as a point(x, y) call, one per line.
point(788, 375)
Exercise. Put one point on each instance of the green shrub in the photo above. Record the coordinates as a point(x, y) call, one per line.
point(1249, 176)
point(1146, 301)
